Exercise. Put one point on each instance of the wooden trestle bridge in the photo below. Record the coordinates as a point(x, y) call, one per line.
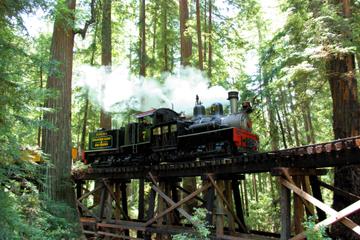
point(297, 170)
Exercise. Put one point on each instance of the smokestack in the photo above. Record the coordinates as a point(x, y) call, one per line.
point(233, 97)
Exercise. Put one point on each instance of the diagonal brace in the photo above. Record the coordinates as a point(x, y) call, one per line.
point(229, 207)
point(113, 197)
point(169, 200)
point(92, 192)
point(346, 221)
point(176, 205)
point(333, 219)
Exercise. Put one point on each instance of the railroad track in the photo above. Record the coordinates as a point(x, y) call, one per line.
point(340, 152)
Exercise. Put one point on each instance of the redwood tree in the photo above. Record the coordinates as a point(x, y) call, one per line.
point(346, 118)
point(198, 30)
point(185, 40)
point(142, 39)
point(105, 118)
point(57, 140)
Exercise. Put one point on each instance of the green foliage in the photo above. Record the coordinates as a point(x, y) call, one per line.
point(201, 228)
point(26, 213)
point(10, 9)
point(264, 212)
point(313, 233)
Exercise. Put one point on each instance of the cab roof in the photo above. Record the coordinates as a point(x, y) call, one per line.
point(147, 113)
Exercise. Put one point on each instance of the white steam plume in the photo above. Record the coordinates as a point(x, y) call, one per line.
point(123, 90)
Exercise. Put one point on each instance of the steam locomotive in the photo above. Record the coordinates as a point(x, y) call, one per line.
point(162, 135)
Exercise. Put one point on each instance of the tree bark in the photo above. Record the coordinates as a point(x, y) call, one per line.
point(57, 141)
point(87, 103)
point(346, 121)
point(142, 39)
point(205, 30)
point(85, 120)
point(198, 30)
point(286, 121)
point(164, 34)
point(281, 127)
point(210, 40)
point(105, 118)
point(185, 40)
point(155, 17)
point(40, 118)
point(293, 118)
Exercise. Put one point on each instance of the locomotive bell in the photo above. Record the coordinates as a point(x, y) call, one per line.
point(199, 109)
point(216, 109)
point(233, 97)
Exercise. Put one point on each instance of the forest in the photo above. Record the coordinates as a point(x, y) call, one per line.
point(70, 67)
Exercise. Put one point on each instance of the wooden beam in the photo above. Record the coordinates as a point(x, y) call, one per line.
point(187, 192)
point(229, 207)
point(316, 191)
point(117, 236)
point(346, 221)
point(150, 212)
point(285, 173)
point(209, 196)
point(121, 226)
point(141, 200)
point(229, 198)
point(339, 191)
point(298, 171)
point(92, 192)
point(175, 197)
point(176, 205)
point(169, 200)
point(285, 209)
point(85, 209)
point(114, 198)
point(298, 208)
point(219, 212)
point(237, 199)
point(102, 202)
point(335, 218)
point(124, 203)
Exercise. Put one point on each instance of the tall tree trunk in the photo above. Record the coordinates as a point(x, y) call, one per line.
point(286, 119)
point(281, 127)
point(164, 33)
point(105, 118)
point(205, 30)
point(189, 183)
point(254, 186)
point(294, 122)
point(40, 118)
point(309, 121)
point(57, 141)
point(142, 39)
point(85, 120)
point(346, 121)
point(185, 40)
point(274, 133)
point(306, 122)
point(210, 40)
point(198, 30)
point(87, 103)
point(154, 35)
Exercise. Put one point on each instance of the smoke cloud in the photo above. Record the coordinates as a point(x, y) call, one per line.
point(118, 89)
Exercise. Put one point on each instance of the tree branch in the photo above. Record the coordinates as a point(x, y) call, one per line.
point(82, 31)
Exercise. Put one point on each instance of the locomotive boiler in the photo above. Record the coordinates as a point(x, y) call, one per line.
point(162, 135)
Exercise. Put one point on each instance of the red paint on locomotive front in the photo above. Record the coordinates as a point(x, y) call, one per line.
point(245, 139)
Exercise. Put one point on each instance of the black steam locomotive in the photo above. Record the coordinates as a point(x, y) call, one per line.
point(162, 135)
